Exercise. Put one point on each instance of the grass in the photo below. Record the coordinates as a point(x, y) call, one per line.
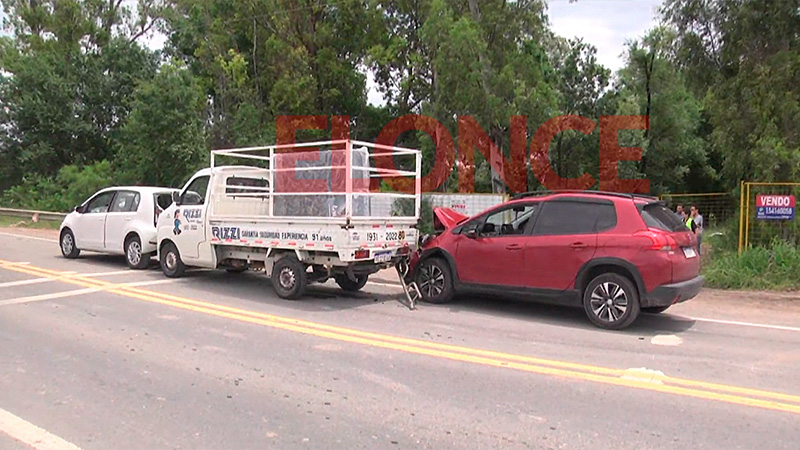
point(21, 222)
point(774, 267)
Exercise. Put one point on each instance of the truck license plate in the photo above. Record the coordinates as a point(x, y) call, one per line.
point(689, 252)
point(383, 257)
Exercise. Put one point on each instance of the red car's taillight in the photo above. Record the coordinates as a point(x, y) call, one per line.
point(659, 240)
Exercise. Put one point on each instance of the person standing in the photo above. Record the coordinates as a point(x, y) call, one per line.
point(681, 213)
point(697, 227)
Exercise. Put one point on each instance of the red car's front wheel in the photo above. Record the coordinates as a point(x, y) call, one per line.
point(435, 281)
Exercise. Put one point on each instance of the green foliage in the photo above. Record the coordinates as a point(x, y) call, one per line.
point(161, 144)
point(651, 85)
point(776, 267)
point(80, 95)
point(19, 222)
point(741, 57)
point(405, 207)
point(68, 74)
point(69, 188)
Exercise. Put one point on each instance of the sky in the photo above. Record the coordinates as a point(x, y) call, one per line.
point(606, 24)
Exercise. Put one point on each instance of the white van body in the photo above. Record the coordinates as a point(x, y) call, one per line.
point(249, 217)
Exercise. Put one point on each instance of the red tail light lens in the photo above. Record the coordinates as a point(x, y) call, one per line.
point(361, 254)
point(659, 240)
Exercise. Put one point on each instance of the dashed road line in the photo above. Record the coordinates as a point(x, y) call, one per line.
point(32, 435)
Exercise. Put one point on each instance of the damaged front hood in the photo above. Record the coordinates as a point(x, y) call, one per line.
point(447, 217)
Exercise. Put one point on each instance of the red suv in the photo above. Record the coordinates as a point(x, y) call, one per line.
point(614, 254)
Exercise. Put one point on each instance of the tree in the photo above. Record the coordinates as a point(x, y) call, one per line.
point(651, 85)
point(582, 86)
point(272, 57)
point(162, 141)
point(449, 58)
point(68, 73)
point(741, 56)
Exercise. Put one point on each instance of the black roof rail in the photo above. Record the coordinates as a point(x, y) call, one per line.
point(579, 191)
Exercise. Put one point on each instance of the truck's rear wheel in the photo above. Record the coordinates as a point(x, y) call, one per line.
point(289, 277)
point(349, 285)
point(171, 263)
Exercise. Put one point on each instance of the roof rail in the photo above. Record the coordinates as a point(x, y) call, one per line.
point(579, 191)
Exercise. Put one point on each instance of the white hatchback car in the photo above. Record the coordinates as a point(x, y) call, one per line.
point(118, 220)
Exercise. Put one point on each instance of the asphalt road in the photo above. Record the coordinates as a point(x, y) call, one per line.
point(95, 356)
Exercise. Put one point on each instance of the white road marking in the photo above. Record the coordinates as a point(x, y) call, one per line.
point(72, 293)
point(747, 324)
point(43, 297)
point(31, 435)
point(35, 238)
point(669, 340)
point(66, 275)
point(148, 283)
point(25, 282)
point(108, 274)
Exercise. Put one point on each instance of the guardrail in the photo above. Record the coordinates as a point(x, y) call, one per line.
point(33, 215)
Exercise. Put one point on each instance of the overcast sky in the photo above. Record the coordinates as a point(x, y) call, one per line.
point(606, 24)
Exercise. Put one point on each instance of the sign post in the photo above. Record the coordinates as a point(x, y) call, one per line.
point(775, 207)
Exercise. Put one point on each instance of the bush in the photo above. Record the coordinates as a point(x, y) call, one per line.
point(70, 187)
point(774, 267)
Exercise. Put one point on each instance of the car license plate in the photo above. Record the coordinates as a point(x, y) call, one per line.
point(689, 252)
point(383, 257)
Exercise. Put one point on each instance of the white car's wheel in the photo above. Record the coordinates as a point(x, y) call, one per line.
point(67, 244)
point(133, 254)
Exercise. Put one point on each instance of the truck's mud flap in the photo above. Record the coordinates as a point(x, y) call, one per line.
point(412, 291)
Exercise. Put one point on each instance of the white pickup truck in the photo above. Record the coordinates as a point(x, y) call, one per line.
point(301, 217)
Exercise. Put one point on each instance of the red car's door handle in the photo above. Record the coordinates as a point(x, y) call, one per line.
point(578, 245)
point(513, 247)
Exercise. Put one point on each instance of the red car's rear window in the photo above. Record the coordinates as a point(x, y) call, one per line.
point(656, 215)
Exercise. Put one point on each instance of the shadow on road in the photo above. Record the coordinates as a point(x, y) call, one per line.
point(255, 287)
point(528, 309)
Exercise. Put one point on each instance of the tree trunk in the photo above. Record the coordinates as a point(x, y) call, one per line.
point(498, 186)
